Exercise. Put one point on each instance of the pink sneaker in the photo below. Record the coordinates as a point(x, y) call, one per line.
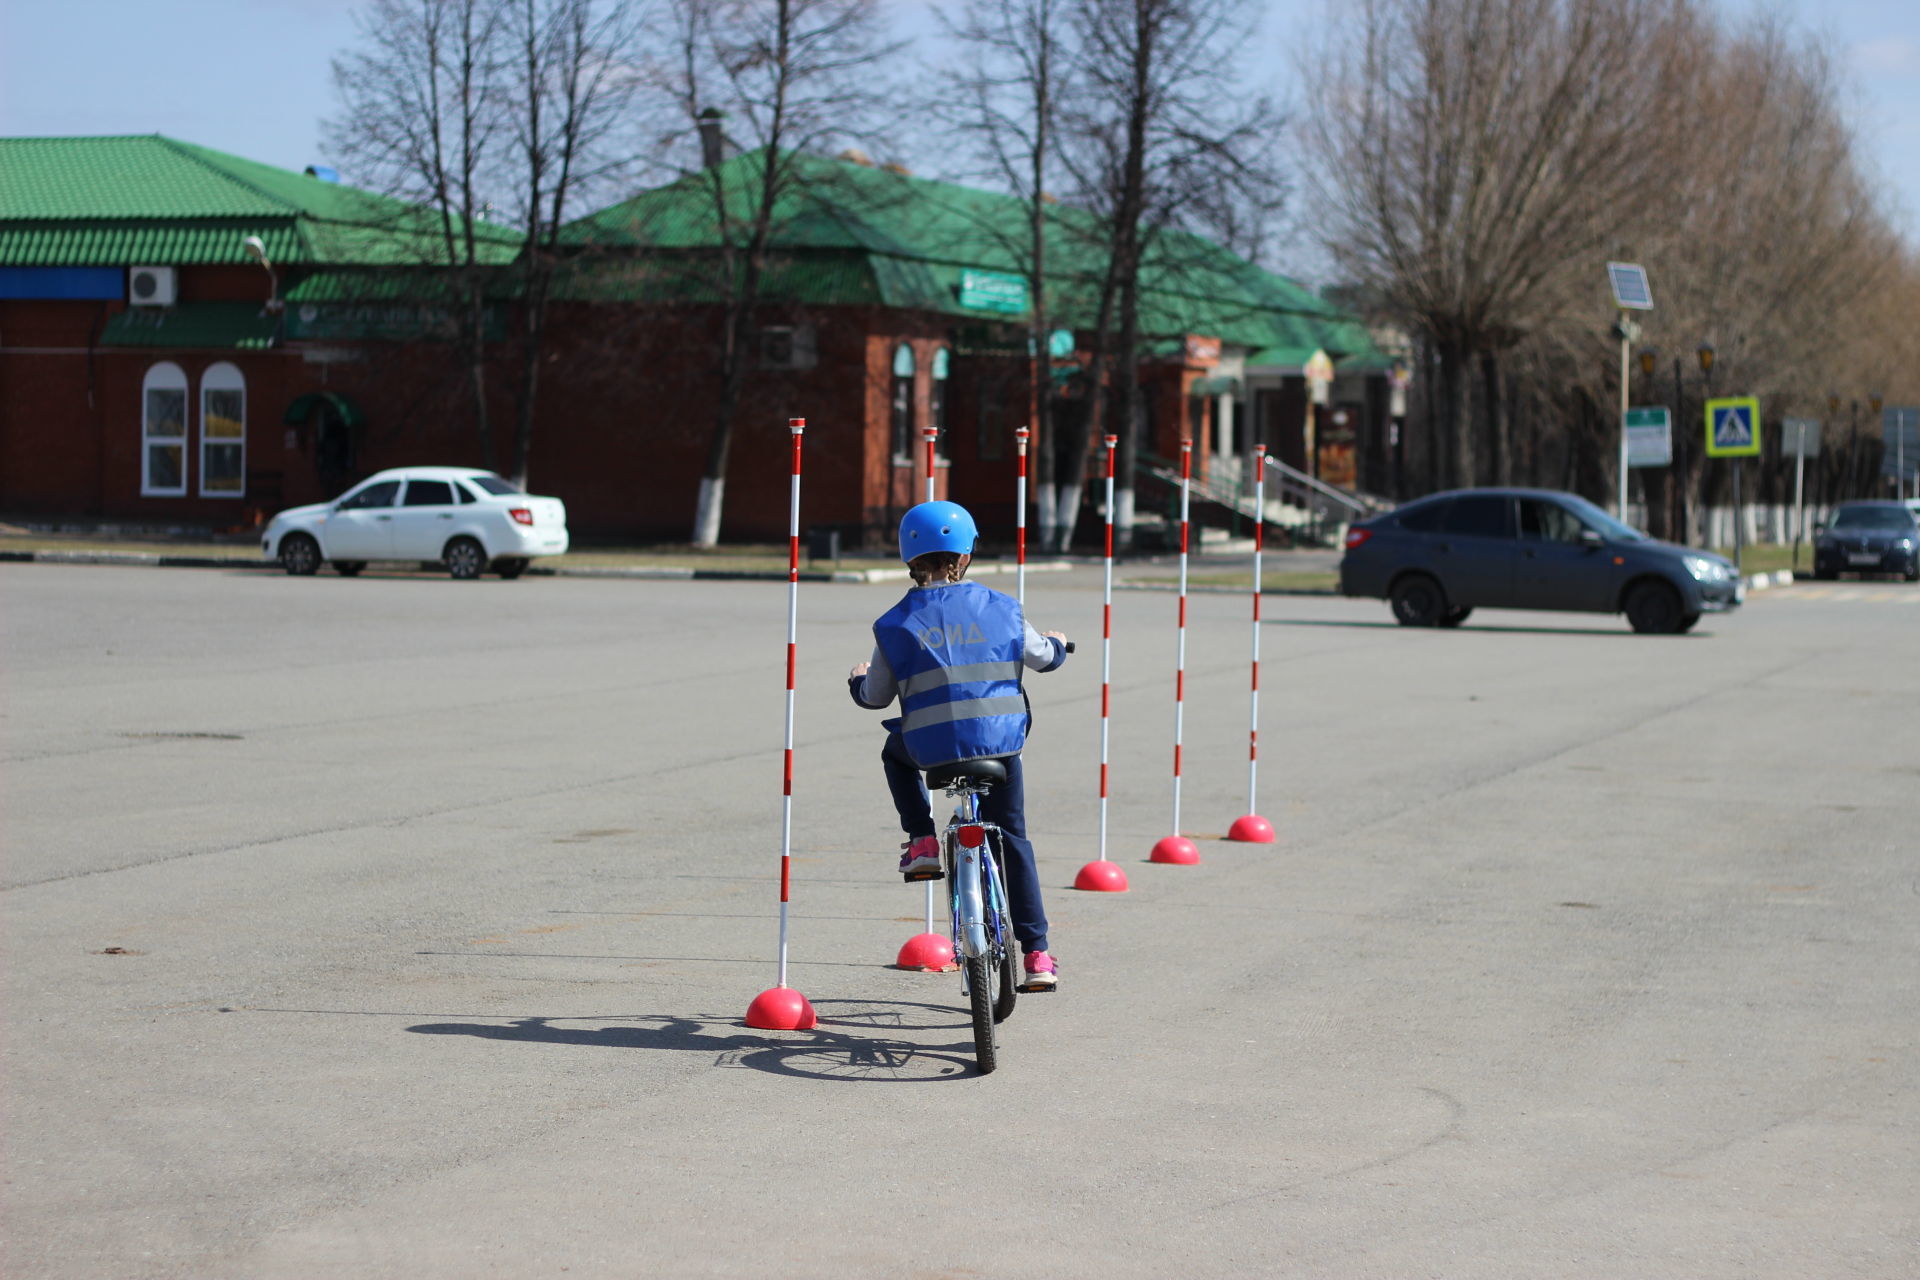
point(921, 861)
point(1042, 973)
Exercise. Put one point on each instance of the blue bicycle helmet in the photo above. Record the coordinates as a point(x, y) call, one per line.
point(936, 526)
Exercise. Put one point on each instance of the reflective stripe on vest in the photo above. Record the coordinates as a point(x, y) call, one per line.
point(971, 708)
point(955, 651)
point(941, 676)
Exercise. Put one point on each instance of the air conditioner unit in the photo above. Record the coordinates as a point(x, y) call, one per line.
point(788, 347)
point(150, 286)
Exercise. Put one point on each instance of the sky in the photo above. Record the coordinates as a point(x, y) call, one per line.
point(252, 77)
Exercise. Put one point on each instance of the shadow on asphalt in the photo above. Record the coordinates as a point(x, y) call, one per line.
point(825, 1053)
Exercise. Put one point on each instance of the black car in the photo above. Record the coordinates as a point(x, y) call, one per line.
point(1868, 537)
point(1438, 559)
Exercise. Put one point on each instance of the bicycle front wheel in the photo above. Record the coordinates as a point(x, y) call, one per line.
point(980, 975)
point(1005, 993)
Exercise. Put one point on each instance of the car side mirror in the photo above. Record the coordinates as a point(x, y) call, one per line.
point(1591, 539)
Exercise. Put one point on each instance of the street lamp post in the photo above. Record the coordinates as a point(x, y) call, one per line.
point(1705, 355)
point(1648, 356)
point(1398, 381)
point(257, 250)
point(1833, 416)
point(1682, 474)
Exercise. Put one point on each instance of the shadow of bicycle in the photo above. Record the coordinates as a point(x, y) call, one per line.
point(825, 1053)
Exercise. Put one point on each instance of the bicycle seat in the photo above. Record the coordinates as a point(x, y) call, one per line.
point(989, 769)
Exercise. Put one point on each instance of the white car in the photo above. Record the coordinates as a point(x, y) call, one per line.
point(465, 519)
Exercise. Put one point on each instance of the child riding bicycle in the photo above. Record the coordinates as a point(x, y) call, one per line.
point(954, 653)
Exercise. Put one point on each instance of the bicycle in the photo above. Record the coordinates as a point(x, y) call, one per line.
point(970, 855)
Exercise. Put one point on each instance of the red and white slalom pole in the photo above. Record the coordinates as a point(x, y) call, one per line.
point(929, 952)
point(929, 434)
point(1176, 848)
point(1021, 436)
point(1250, 826)
point(1102, 874)
point(781, 1008)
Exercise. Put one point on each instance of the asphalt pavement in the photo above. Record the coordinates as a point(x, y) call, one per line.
point(404, 927)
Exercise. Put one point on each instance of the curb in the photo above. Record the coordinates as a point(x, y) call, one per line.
point(1225, 591)
point(153, 560)
point(1762, 581)
point(146, 559)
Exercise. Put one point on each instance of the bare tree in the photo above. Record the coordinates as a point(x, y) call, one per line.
point(419, 119)
point(573, 75)
point(787, 77)
point(469, 106)
point(1017, 55)
point(1480, 154)
point(1156, 140)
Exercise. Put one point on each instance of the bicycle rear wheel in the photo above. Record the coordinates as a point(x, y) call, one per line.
point(980, 975)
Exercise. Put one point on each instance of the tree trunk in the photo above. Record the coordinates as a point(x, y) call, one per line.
point(1456, 378)
point(1497, 420)
point(476, 337)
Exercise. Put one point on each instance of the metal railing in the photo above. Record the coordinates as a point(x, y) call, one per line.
point(1310, 486)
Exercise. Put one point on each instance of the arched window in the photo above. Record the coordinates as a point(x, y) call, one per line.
point(223, 432)
point(941, 358)
point(163, 431)
point(903, 403)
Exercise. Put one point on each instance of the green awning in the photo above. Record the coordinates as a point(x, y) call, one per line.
point(233, 325)
point(303, 406)
point(1215, 386)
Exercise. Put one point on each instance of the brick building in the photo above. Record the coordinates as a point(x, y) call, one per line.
point(152, 369)
point(145, 372)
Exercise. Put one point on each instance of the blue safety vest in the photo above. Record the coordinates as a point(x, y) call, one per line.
point(956, 652)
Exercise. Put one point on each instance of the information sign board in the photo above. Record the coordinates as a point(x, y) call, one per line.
point(1800, 437)
point(993, 291)
point(1649, 437)
point(1733, 427)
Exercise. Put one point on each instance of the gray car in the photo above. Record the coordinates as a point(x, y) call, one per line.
point(1868, 537)
point(1440, 558)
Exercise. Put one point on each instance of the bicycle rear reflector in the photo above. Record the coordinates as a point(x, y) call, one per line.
point(972, 836)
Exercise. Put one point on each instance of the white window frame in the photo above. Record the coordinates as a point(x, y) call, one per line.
point(164, 376)
point(223, 377)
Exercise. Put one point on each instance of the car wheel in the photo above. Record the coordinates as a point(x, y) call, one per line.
point(1654, 609)
point(1418, 601)
point(299, 554)
point(1686, 623)
point(510, 566)
point(1454, 617)
point(1913, 570)
point(348, 568)
point(465, 558)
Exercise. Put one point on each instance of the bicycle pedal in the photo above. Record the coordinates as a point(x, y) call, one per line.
point(912, 876)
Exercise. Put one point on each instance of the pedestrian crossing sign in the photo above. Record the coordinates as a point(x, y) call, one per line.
point(1733, 427)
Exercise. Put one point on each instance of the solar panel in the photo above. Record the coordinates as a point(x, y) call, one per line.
point(1630, 290)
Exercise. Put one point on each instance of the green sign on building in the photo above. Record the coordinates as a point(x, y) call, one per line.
point(993, 291)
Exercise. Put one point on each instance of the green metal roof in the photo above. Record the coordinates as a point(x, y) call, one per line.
point(237, 325)
point(848, 233)
point(155, 200)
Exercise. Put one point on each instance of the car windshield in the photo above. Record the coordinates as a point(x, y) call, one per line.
point(491, 484)
point(1598, 520)
point(1871, 518)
